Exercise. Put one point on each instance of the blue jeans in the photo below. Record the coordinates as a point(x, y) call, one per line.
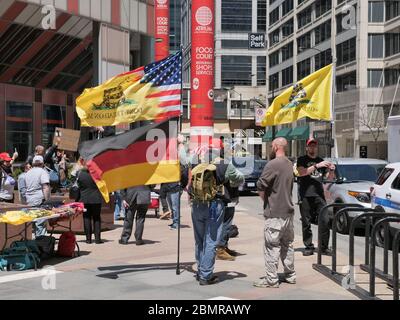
point(119, 210)
point(227, 222)
point(207, 226)
point(174, 202)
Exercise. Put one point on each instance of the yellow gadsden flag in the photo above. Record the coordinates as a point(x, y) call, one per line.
point(152, 92)
point(310, 97)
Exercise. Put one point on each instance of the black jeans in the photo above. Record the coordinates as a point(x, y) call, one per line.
point(138, 210)
point(93, 212)
point(309, 209)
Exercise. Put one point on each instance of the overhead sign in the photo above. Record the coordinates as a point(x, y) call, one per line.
point(69, 139)
point(257, 41)
point(363, 152)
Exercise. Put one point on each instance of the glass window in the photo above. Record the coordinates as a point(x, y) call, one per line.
point(287, 6)
point(375, 46)
point(323, 59)
point(236, 15)
point(304, 17)
point(385, 174)
point(19, 127)
point(346, 51)
point(322, 6)
point(287, 76)
point(304, 42)
point(363, 172)
point(392, 44)
point(53, 117)
point(274, 16)
point(274, 37)
point(261, 71)
point(323, 32)
point(396, 183)
point(375, 11)
point(274, 82)
point(346, 82)
point(287, 28)
point(234, 44)
point(392, 9)
point(236, 70)
point(262, 15)
point(303, 69)
point(375, 78)
point(287, 51)
point(391, 77)
point(274, 59)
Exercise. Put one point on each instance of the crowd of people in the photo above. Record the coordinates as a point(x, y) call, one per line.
point(212, 184)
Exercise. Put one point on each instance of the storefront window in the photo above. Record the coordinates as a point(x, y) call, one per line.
point(19, 118)
point(53, 117)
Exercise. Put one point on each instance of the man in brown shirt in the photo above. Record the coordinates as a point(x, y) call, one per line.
point(275, 188)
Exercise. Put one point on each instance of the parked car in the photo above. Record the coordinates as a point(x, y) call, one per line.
point(353, 181)
point(251, 167)
point(385, 196)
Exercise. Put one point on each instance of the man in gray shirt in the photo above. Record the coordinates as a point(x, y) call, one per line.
point(37, 181)
point(275, 188)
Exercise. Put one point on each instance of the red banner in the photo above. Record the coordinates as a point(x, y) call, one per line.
point(202, 71)
point(162, 29)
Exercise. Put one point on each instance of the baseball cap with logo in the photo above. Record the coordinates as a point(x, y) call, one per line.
point(5, 156)
point(311, 140)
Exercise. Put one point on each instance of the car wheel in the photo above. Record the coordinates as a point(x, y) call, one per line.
point(380, 237)
point(342, 224)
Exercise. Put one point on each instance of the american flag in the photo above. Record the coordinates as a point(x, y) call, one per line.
point(166, 79)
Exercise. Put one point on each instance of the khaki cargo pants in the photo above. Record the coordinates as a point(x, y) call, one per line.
point(279, 237)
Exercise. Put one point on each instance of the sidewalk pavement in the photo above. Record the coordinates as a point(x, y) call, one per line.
point(114, 271)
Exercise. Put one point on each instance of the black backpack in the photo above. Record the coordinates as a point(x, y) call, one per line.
point(46, 246)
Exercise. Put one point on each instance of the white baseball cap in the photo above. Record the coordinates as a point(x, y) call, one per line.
point(37, 159)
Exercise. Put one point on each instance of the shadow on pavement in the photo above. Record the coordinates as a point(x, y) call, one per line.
point(119, 270)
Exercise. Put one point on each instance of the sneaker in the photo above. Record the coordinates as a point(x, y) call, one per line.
point(173, 227)
point(233, 253)
point(89, 241)
point(308, 252)
point(223, 255)
point(263, 283)
point(327, 252)
point(99, 241)
point(139, 242)
point(122, 242)
point(211, 281)
point(290, 280)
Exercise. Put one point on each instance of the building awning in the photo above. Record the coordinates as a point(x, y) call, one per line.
point(300, 133)
point(267, 136)
point(284, 133)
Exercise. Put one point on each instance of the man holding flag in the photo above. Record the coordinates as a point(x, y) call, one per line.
point(310, 97)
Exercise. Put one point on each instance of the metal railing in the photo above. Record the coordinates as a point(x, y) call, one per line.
point(369, 266)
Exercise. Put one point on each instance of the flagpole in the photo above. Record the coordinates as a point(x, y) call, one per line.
point(332, 125)
point(178, 271)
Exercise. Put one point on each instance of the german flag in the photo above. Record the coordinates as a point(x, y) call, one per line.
point(143, 156)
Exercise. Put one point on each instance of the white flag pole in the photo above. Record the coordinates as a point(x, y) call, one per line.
point(335, 151)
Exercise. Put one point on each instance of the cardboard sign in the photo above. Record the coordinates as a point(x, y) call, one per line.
point(69, 139)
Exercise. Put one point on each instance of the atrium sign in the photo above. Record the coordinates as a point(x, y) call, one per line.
point(257, 41)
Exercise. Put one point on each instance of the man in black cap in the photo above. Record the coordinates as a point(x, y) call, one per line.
point(312, 169)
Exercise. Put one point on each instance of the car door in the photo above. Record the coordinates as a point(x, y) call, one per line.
point(394, 194)
point(381, 189)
